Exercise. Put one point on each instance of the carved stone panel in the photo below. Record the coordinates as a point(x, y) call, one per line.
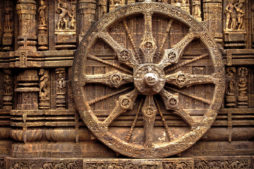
point(136, 86)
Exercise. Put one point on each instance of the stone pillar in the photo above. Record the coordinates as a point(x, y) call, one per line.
point(8, 26)
point(86, 12)
point(27, 89)
point(213, 13)
point(26, 10)
point(43, 25)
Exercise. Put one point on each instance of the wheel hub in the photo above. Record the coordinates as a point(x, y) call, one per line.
point(149, 79)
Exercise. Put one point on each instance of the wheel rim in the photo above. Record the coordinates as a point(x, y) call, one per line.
point(137, 72)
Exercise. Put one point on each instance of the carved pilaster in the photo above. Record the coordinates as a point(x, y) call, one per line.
point(87, 12)
point(27, 88)
point(61, 88)
point(26, 10)
point(44, 94)
point(235, 23)
point(183, 4)
point(43, 25)
point(8, 90)
point(196, 9)
point(8, 28)
point(231, 87)
point(212, 11)
point(65, 25)
point(242, 87)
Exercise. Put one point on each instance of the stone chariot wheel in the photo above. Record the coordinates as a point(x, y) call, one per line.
point(148, 80)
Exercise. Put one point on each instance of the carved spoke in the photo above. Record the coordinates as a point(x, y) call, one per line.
point(131, 40)
point(166, 36)
point(148, 45)
point(149, 111)
point(191, 96)
point(96, 100)
point(172, 56)
point(108, 63)
point(124, 55)
point(170, 100)
point(181, 79)
point(113, 79)
point(186, 62)
point(124, 103)
point(128, 137)
point(186, 117)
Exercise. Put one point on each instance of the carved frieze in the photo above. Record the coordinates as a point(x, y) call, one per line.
point(65, 25)
point(183, 4)
point(235, 13)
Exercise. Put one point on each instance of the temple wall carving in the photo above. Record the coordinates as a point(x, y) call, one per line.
point(42, 46)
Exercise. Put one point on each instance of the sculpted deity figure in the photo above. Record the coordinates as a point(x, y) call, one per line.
point(44, 79)
point(42, 13)
point(240, 14)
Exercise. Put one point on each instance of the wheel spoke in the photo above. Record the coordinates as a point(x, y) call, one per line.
point(186, 62)
point(172, 56)
point(149, 111)
point(170, 100)
point(191, 96)
point(166, 36)
point(124, 55)
point(124, 103)
point(181, 79)
point(96, 100)
point(148, 45)
point(131, 40)
point(108, 63)
point(128, 137)
point(186, 117)
point(164, 121)
point(113, 79)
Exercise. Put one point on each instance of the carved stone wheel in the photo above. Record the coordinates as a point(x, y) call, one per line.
point(148, 80)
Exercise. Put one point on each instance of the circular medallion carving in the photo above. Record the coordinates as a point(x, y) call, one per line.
point(137, 86)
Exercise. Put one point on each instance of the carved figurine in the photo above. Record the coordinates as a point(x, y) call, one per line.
point(242, 87)
point(231, 88)
point(240, 14)
point(42, 13)
point(196, 9)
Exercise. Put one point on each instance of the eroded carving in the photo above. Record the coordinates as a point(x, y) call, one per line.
point(231, 87)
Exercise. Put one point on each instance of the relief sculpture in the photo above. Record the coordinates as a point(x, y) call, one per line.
point(126, 84)
point(66, 15)
point(235, 12)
